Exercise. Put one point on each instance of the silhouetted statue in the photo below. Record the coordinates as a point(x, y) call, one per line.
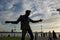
point(54, 36)
point(25, 27)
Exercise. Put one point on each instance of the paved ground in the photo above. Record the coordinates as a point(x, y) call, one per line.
point(18, 38)
point(45, 38)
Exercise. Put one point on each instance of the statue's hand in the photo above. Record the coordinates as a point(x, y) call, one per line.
point(7, 22)
point(40, 20)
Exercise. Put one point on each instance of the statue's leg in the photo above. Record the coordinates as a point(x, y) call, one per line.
point(31, 34)
point(23, 34)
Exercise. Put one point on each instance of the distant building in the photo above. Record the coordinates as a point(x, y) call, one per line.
point(19, 34)
point(11, 34)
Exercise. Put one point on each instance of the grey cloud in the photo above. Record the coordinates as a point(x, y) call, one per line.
point(11, 9)
point(52, 20)
point(5, 4)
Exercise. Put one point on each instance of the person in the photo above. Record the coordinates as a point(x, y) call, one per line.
point(25, 27)
point(36, 35)
point(50, 36)
point(54, 35)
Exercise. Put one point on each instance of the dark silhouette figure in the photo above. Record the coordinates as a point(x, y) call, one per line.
point(36, 35)
point(50, 36)
point(25, 27)
point(54, 35)
point(12, 30)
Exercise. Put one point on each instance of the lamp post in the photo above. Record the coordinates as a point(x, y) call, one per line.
point(41, 30)
point(14, 28)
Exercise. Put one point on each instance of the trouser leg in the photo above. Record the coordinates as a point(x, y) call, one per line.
point(23, 34)
point(31, 34)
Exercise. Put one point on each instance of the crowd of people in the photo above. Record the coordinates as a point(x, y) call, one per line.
point(52, 36)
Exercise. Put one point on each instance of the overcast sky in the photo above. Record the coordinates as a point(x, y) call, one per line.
point(10, 10)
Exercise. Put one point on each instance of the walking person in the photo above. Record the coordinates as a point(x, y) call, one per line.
point(50, 36)
point(36, 35)
point(25, 27)
point(54, 35)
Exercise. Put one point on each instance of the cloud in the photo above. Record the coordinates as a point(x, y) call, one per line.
point(53, 19)
point(45, 9)
point(5, 4)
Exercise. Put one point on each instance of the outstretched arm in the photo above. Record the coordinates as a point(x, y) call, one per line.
point(35, 21)
point(14, 22)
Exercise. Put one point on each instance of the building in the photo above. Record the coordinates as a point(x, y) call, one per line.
point(19, 34)
point(10, 34)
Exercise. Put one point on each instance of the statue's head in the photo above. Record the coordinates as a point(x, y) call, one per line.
point(28, 12)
